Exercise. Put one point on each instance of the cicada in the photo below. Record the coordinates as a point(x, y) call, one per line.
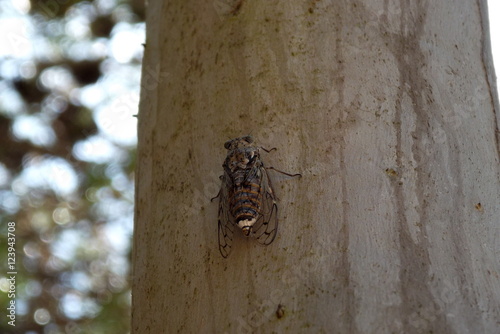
point(246, 199)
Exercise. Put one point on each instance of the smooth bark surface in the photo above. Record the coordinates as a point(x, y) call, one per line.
point(387, 108)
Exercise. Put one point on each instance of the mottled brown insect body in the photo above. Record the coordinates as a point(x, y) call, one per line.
point(243, 166)
point(246, 197)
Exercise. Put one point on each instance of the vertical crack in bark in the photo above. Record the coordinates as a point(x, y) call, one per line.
point(344, 239)
point(415, 261)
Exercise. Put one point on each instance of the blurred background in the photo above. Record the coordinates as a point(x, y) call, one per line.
point(69, 91)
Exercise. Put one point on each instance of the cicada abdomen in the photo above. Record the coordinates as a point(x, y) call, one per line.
point(246, 198)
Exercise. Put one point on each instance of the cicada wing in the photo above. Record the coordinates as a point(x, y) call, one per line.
point(266, 226)
point(226, 224)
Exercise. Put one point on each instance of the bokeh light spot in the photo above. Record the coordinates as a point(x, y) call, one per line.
point(42, 316)
point(35, 129)
point(62, 216)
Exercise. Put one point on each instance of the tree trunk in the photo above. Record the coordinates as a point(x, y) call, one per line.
point(388, 110)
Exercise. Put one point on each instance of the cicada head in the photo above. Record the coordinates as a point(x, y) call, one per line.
point(239, 142)
point(242, 155)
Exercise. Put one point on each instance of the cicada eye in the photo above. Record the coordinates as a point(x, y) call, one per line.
point(248, 139)
point(227, 144)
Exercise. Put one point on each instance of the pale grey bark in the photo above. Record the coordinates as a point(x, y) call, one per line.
point(389, 111)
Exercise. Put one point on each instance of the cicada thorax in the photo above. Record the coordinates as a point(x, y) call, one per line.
point(245, 196)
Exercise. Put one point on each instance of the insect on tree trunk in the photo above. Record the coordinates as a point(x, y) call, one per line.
point(388, 110)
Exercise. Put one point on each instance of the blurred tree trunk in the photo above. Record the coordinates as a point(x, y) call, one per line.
point(390, 112)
